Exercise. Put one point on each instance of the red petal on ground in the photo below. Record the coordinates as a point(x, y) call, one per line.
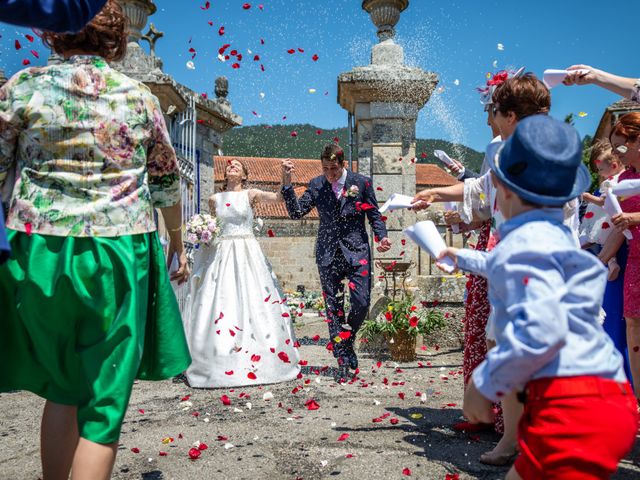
point(344, 335)
point(135, 450)
point(222, 438)
point(394, 421)
point(225, 400)
point(185, 398)
point(194, 453)
point(203, 446)
point(312, 405)
point(303, 363)
point(284, 357)
point(230, 372)
point(285, 315)
point(251, 376)
point(316, 338)
point(162, 454)
point(255, 358)
point(232, 333)
point(343, 437)
point(401, 395)
point(406, 472)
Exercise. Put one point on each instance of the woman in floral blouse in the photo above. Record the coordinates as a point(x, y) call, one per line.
point(87, 303)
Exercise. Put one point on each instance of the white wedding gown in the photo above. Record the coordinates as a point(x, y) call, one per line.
point(237, 324)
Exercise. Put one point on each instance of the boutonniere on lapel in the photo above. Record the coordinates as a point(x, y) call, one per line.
point(353, 191)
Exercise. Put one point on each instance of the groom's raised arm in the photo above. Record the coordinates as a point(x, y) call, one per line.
point(296, 207)
point(373, 214)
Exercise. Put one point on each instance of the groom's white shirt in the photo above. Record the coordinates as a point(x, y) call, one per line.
point(341, 181)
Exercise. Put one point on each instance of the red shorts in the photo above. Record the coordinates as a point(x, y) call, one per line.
point(575, 428)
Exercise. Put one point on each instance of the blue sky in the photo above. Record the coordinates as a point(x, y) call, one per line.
point(456, 39)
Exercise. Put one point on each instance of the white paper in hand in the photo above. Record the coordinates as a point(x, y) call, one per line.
point(612, 207)
point(552, 77)
point(396, 201)
point(427, 236)
point(452, 207)
point(443, 157)
point(627, 188)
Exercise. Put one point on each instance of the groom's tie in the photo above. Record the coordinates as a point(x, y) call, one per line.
point(337, 189)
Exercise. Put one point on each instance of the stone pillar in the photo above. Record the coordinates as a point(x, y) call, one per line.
point(385, 98)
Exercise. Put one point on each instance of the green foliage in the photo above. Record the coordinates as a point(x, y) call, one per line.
point(404, 315)
point(586, 152)
point(276, 142)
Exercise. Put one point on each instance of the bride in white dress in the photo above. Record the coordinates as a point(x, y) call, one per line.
point(236, 319)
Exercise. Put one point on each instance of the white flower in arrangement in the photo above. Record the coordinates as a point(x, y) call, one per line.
point(202, 229)
point(353, 191)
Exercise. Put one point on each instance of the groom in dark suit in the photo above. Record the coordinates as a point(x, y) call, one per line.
point(343, 199)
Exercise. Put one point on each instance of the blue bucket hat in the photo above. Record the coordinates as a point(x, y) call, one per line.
point(541, 162)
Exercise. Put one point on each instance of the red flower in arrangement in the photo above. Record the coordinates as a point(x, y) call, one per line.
point(389, 316)
point(498, 79)
point(413, 322)
point(194, 453)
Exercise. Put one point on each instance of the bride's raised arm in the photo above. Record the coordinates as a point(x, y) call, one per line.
point(261, 196)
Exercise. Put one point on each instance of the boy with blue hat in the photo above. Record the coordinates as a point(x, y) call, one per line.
point(580, 414)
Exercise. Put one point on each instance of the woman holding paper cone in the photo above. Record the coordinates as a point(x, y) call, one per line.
point(625, 140)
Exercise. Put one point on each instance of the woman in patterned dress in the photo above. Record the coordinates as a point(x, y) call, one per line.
point(87, 303)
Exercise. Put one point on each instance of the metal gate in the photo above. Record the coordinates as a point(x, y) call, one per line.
point(183, 138)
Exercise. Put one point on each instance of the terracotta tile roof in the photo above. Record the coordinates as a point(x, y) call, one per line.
point(265, 173)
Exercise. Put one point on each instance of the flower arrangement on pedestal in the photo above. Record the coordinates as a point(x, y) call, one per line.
point(401, 323)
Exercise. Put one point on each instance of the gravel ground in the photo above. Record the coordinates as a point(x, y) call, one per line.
point(414, 405)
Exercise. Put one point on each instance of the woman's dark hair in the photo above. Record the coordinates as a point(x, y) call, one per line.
point(105, 35)
point(524, 96)
point(333, 153)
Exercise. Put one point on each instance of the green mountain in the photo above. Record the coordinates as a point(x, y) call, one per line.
point(306, 141)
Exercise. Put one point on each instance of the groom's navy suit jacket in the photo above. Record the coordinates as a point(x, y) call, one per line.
point(342, 222)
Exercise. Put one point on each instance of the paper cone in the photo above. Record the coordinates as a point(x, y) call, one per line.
point(395, 202)
point(627, 188)
point(552, 77)
point(426, 236)
point(612, 207)
point(443, 157)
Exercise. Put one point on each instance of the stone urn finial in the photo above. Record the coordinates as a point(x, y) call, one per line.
point(385, 15)
point(137, 11)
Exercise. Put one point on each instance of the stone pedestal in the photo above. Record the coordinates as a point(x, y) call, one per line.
point(385, 99)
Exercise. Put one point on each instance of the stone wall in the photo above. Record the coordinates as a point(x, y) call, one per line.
point(292, 252)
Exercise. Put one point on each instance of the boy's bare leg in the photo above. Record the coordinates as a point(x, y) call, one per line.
point(58, 440)
point(93, 461)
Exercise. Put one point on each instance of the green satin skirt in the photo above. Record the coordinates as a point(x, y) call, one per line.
point(82, 318)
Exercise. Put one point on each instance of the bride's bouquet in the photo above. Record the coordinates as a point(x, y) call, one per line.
point(202, 229)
